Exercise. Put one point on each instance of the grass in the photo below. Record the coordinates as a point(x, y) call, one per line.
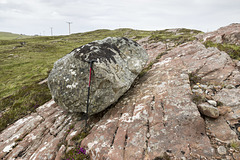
point(10, 36)
point(180, 36)
point(235, 145)
point(231, 49)
point(23, 102)
point(194, 79)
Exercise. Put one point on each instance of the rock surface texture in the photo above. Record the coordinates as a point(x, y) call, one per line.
point(158, 118)
point(229, 34)
point(118, 63)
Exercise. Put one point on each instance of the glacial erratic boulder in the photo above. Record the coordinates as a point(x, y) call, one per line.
point(118, 63)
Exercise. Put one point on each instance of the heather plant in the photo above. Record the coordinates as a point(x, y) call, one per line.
point(78, 153)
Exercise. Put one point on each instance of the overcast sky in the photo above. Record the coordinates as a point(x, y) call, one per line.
point(38, 16)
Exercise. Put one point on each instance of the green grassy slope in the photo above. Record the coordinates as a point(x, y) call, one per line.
point(10, 36)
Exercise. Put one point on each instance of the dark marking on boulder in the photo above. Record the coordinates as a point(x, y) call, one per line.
point(95, 51)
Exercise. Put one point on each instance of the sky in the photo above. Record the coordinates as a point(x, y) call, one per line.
point(46, 17)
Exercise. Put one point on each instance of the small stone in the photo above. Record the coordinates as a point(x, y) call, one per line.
point(221, 150)
point(195, 87)
point(148, 135)
point(183, 158)
point(204, 86)
point(212, 102)
point(238, 129)
point(209, 97)
point(208, 110)
point(197, 91)
point(230, 86)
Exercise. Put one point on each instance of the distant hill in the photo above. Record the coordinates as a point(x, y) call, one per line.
point(10, 36)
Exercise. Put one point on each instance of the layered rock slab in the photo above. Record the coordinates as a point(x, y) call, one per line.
point(37, 136)
point(118, 62)
point(228, 34)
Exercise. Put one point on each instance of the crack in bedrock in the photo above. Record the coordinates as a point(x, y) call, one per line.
point(235, 127)
point(147, 139)
point(163, 113)
point(114, 137)
point(152, 103)
point(125, 144)
point(228, 76)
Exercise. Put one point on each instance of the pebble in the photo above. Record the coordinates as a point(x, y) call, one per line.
point(195, 87)
point(238, 129)
point(212, 102)
point(197, 91)
point(230, 86)
point(221, 150)
point(204, 86)
point(148, 135)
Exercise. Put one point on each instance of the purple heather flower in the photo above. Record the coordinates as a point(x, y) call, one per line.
point(82, 150)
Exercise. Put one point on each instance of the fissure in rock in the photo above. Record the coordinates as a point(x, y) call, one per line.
point(125, 144)
point(114, 137)
point(152, 103)
point(147, 139)
point(163, 113)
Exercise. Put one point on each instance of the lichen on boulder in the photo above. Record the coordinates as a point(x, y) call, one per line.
point(118, 63)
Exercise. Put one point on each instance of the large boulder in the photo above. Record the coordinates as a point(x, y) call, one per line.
point(118, 63)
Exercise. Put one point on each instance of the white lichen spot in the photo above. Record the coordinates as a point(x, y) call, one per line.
point(137, 116)
point(163, 62)
point(103, 127)
point(73, 133)
point(104, 144)
point(97, 150)
point(109, 121)
point(138, 108)
point(126, 118)
point(90, 145)
point(145, 112)
point(73, 72)
point(165, 118)
point(50, 103)
point(74, 85)
point(8, 148)
point(32, 137)
point(164, 131)
point(150, 119)
point(67, 80)
point(145, 97)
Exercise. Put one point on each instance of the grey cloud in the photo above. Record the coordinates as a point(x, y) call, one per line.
point(94, 14)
